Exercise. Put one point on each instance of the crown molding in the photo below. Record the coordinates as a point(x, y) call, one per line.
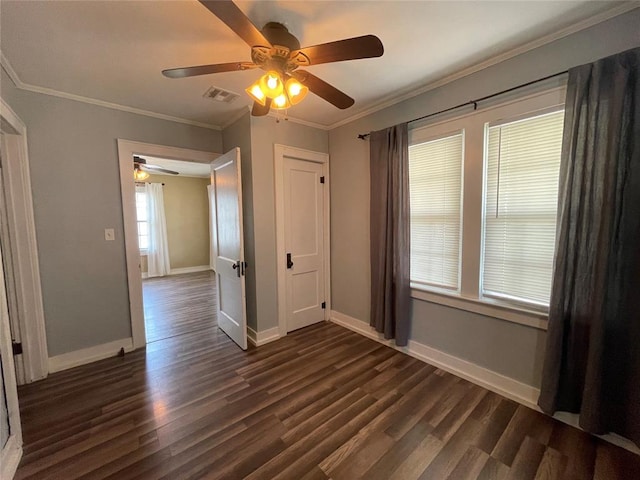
point(411, 92)
point(237, 116)
point(6, 65)
point(4, 61)
point(299, 121)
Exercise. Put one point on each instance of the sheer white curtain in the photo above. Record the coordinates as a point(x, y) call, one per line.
point(158, 251)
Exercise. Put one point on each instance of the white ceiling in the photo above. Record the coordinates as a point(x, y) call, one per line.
point(114, 51)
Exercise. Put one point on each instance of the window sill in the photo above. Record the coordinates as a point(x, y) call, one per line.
point(485, 307)
point(143, 253)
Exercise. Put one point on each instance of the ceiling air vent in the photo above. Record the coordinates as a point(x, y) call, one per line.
point(220, 95)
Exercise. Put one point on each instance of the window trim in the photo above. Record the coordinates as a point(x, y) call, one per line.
point(496, 309)
point(469, 296)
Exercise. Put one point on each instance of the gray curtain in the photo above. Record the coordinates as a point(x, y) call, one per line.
point(592, 360)
point(390, 277)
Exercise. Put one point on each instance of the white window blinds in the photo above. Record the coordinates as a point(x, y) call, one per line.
point(521, 196)
point(435, 186)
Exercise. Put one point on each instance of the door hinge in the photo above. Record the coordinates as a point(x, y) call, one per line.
point(324, 305)
point(322, 179)
point(17, 348)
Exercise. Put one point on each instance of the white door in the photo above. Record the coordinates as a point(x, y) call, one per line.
point(10, 432)
point(228, 245)
point(304, 242)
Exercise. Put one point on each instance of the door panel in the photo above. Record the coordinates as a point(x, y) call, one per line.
point(226, 218)
point(304, 225)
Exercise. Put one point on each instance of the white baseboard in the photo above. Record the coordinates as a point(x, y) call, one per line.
point(10, 457)
point(180, 271)
point(265, 336)
point(199, 268)
point(88, 355)
point(505, 386)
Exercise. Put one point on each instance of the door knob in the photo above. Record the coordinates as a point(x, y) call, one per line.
point(236, 267)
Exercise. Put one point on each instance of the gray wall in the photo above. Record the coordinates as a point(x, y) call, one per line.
point(510, 349)
point(239, 135)
point(265, 132)
point(76, 192)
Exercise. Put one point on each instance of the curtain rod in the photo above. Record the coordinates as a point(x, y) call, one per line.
point(475, 102)
point(144, 183)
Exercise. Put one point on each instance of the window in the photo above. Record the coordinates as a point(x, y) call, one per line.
point(435, 181)
point(520, 202)
point(143, 222)
point(483, 192)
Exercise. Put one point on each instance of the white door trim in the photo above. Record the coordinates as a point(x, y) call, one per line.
point(126, 150)
point(22, 231)
point(280, 152)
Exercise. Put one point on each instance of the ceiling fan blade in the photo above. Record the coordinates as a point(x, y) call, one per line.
point(232, 16)
point(367, 46)
point(261, 110)
point(156, 169)
point(321, 88)
point(207, 69)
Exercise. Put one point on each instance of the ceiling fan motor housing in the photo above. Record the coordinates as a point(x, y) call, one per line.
point(278, 34)
point(277, 57)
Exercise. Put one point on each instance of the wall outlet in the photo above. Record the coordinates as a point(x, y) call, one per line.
point(109, 234)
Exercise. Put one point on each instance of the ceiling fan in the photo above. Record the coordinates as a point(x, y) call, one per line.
point(141, 169)
point(278, 52)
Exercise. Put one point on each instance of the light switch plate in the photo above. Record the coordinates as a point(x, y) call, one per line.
point(109, 234)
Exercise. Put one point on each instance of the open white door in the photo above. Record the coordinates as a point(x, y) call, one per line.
point(10, 430)
point(228, 245)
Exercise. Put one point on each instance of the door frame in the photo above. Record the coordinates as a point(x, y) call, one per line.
point(27, 289)
point(126, 150)
point(280, 152)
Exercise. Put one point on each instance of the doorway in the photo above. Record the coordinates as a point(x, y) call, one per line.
point(302, 217)
point(174, 239)
point(126, 151)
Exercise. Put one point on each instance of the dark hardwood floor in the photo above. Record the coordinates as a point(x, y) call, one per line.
point(178, 304)
point(321, 403)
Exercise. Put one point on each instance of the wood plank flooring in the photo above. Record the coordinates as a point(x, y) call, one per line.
point(321, 403)
point(178, 304)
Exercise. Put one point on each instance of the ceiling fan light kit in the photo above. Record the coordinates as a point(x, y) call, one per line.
point(278, 52)
point(282, 94)
point(139, 175)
